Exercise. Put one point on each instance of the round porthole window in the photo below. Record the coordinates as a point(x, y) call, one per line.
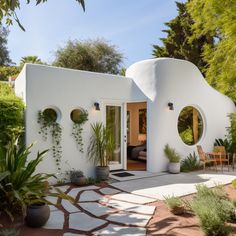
point(50, 115)
point(79, 116)
point(190, 125)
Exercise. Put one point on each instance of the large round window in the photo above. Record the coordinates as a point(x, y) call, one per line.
point(190, 125)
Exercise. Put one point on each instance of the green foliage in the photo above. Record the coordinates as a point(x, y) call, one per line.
point(6, 90)
point(175, 204)
point(48, 124)
point(11, 117)
point(8, 10)
point(102, 145)
point(217, 18)
point(234, 183)
point(190, 163)
point(171, 154)
point(90, 55)
point(187, 136)
point(91, 180)
point(213, 208)
point(30, 59)
point(78, 128)
point(9, 232)
point(178, 43)
point(4, 53)
point(8, 71)
point(232, 132)
point(19, 186)
point(223, 142)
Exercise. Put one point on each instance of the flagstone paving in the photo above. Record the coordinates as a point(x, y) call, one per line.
point(95, 212)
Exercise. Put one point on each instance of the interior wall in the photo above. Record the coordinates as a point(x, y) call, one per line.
point(134, 108)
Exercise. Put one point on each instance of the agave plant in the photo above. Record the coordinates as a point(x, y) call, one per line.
point(19, 186)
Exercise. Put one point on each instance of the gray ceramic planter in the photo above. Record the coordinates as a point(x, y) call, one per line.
point(174, 168)
point(37, 215)
point(102, 172)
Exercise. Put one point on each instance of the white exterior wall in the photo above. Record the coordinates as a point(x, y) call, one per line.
point(67, 89)
point(180, 82)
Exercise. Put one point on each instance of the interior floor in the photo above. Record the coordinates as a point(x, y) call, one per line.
point(136, 165)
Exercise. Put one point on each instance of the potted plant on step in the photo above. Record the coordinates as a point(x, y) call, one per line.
point(174, 159)
point(101, 149)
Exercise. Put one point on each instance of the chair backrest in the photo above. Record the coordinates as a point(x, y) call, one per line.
point(201, 153)
point(220, 149)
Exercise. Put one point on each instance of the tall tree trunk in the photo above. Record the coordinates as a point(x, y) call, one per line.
point(195, 125)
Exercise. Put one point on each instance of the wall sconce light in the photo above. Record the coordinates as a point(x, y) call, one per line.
point(171, 106)
point(96, 106)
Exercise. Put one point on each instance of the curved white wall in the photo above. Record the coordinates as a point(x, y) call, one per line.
point(180, 82)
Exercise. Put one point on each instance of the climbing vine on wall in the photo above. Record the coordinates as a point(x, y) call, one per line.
point(47, 120)
point(79, 118)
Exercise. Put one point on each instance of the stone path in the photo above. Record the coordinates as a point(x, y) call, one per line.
point(100, 211)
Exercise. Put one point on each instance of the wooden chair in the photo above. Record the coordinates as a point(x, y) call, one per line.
point(205, 158)
point(221, 156)
point(233, 161)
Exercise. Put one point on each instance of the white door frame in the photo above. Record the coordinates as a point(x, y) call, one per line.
point(122, 104)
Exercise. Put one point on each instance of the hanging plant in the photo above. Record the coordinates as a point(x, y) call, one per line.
point(79, 117)
point(48, 124)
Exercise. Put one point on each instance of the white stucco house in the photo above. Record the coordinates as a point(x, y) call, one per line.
point(164, 87)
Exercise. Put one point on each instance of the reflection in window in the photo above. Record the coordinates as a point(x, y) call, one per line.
point(190, 125)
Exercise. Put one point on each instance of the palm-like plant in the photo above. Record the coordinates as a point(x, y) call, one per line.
point(30, 59)
point(102, 145)
point(19, 186)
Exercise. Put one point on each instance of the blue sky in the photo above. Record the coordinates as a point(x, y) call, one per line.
point(132, 25)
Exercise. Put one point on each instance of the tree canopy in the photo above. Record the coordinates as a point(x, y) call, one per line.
point(4, 53)
point(8, 10)
point(217, 18)
point(30, 59)
point(91, 55)
point(179, 43)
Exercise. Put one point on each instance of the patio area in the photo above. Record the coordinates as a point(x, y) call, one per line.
point(121, 208)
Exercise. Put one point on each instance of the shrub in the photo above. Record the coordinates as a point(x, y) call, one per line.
point(9, 232)
point(175, 204)
point(19, 186)
point(213, 208)
point(190, 163)
point(171, 154)
point(232, 132)
point(11, 118)
point(234, 183)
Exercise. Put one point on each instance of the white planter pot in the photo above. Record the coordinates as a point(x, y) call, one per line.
point(174, 168)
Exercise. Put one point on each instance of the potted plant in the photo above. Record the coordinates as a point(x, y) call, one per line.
point(21, 190)
point(174, 159)
point(101, 149)
point(77, 177)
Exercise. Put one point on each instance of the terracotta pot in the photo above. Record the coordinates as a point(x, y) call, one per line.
point(102, 172)
point(174, 168)
point(37, 215)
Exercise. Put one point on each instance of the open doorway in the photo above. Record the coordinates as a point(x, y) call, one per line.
point(136, 135)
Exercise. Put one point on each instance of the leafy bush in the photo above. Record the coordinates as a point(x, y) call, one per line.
point(9, 232)
point(176, 205)
point(213, 208)
point(171, 154)
point(190, 163)
point(234, 183)
point(11, 118)
point(19, 186)
point(8, 71)
point(6, 89)
point(232, 132)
